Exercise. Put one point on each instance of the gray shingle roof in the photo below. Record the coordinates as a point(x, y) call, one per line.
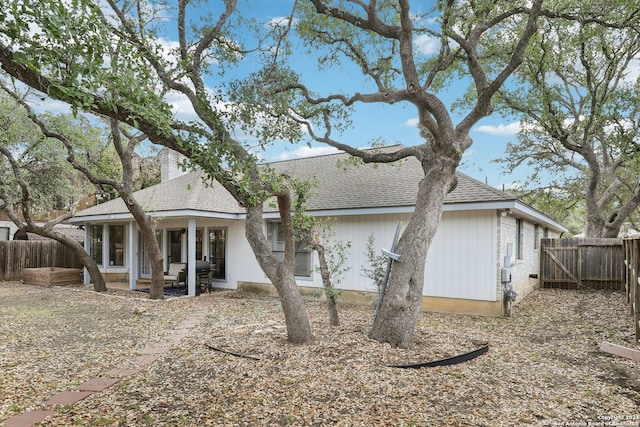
point(338, 187)
point(376, 185)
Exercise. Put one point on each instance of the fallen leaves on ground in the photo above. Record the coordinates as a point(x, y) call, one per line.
point(543, 366)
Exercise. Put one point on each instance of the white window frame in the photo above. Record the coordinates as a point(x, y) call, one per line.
point(277, 247)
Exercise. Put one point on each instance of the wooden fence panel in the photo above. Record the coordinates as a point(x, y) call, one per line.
point(16, 255)
point(582, 263)
point(632, 262)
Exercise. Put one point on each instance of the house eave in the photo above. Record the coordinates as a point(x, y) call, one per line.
point(181, 213)
point(514, 206)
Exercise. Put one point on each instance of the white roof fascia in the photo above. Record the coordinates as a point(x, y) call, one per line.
point(536, 215)
point(196, 213)
point(166, 214)
point(479, 206)
point(350, 212)
point(516, 206)
point(103, 217)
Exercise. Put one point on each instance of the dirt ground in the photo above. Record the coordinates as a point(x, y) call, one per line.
point(543, 366)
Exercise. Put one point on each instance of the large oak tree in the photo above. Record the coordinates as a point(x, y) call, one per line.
point(380, 39)
point(62, 49)
point(38, 187)
point(577, 97)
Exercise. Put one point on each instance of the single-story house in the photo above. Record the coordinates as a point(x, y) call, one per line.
point(481, 229)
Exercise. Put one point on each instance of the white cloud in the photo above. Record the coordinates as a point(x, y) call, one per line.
point(427, 44)
point(500, 130)
point(304, 151)
point(509, 186)
point(412, 122)
point(281, 21)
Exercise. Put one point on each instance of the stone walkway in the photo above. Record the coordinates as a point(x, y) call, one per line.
point(143, 359)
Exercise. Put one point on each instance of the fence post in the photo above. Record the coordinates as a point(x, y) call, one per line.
point(543, 245)
point(636, 290)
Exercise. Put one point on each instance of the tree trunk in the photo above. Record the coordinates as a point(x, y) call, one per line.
point(329, 290)
point(86, 260)
point(148, 232)
point(92, 268)
point(283, 278)
point(401, 303)
point(295, 312)
point(147, 228)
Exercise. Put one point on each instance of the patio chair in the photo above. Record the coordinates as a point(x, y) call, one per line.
point(176, 273)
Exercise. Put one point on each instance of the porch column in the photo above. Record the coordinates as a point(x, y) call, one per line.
point(191, 257)
point(133, 254)
point(87, 278)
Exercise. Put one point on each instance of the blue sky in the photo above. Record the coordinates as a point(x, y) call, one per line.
point(393, 124)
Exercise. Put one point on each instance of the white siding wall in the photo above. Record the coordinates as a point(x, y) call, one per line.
point(9, 228)
point(357, 229)
point(461, 262)
point(462, 259)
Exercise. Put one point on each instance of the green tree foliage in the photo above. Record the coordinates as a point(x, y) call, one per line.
point(111, 58)
point(379, 40)
point(38, 186)
point(54, 184)
point(577, 98)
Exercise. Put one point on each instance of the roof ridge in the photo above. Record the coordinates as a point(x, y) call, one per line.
point(339, 153)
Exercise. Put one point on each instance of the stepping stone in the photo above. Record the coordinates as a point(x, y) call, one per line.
point(153, 350)
point(145, 360)
point(97, 384)
point(28, 419)
point(122, 372)
point(67, 397)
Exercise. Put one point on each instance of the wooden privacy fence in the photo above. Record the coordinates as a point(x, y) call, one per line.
point(582, 263)
point(18, 254)
point(632, 260)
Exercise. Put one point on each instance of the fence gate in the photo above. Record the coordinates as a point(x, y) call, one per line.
point(582, 263)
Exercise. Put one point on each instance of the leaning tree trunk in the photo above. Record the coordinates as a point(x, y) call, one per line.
point(85, 259)
point(92, 268)
point(401, 303)
point(329, 290)
point(144, 221)
point(282, 277)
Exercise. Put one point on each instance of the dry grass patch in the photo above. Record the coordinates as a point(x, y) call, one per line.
point(543, 366)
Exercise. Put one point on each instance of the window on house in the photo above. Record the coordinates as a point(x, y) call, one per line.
point(116, 245)
point(536, 236)
point(174, 245)
point(145, 259)
point(275, 235)
point(217, 252)
point(199, 234)
point(95, 243)
point(518, 238)
point(4, 233)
